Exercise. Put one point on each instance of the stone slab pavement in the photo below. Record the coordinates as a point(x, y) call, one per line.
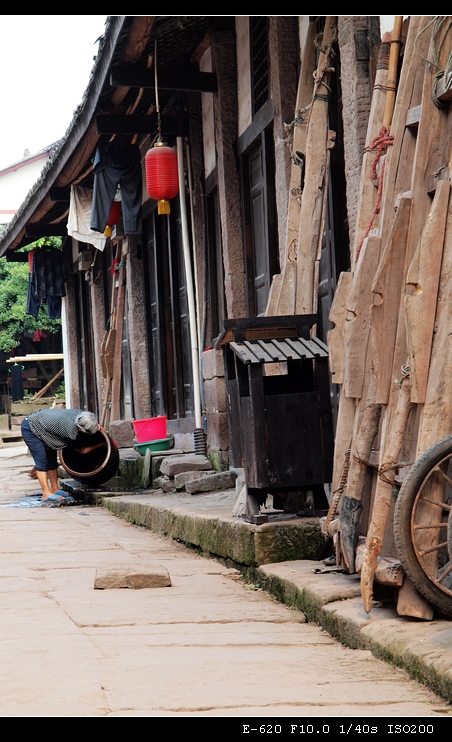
point(210, 645)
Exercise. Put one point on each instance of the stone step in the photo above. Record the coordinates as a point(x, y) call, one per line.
point(9, 437)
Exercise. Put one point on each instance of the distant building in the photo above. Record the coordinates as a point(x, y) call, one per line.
point(17, 179)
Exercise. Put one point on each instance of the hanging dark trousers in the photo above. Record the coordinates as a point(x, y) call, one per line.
point(17, 384)
point(117, 162)
point(46, 282)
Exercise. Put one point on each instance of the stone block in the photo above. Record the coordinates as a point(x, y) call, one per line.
point(157, 482)
point(137, 579)
point(215, 396)
point(122, 433)
point(180, 480)
point(212, 364)
point(213, 483)
point(217, 431)
point(167, 484)
point(184, 441)
point(190, 462)
point(158, 457)
point(4, 422)
point(15, 421)
point(182, 425)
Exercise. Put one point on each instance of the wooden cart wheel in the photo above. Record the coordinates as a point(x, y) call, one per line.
point(423, 525)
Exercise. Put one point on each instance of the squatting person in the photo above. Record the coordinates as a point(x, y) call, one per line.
point(47, 431)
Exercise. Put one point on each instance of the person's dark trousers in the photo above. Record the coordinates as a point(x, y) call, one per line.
point(45, 458)
point(117, 163)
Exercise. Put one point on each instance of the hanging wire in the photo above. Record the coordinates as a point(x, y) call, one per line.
point(157, 105)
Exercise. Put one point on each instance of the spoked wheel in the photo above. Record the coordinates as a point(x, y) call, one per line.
point(423, 525)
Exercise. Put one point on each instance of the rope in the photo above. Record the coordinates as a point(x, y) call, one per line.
point(157, 105)
point(380, 142)
point(387, 467)
point(441, 25)
point(359, 460)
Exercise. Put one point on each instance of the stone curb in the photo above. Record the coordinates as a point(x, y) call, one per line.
point(225, 537)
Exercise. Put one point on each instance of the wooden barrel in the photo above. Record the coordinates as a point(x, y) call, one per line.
point(96, 467)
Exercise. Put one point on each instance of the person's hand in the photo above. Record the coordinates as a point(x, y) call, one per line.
point(88, 449)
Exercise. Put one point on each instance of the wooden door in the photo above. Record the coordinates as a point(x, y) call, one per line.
point(167, 318)
point(259, 219)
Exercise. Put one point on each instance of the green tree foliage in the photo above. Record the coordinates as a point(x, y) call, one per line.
point(13, 301)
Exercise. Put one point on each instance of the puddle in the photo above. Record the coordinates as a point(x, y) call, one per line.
point(24, 502)
point(35, 501)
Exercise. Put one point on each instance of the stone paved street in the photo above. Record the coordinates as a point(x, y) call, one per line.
point(209, 645)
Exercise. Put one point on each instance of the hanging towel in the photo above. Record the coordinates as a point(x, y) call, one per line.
point(78, 224)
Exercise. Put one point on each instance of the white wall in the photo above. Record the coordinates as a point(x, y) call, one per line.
point(15, 185)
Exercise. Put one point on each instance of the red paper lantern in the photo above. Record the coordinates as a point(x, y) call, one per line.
point(162, 178)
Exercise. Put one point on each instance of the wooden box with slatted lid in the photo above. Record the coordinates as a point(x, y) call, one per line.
point(281, 429)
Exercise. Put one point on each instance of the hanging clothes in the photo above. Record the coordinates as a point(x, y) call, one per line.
point(32, 306)
point(17, 384)
point(48, 279)
point(78, 223)
point(117, 163)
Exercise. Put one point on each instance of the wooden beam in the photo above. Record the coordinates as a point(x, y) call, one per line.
point(444, 88)
point(129, 75)
point(440, 174)
point(16, 257)
point(60, 194)
point(37, 357)
point(420, 307)
point(316, 161)
point(138, 124)
point(413, 116)
point(45, 230)
point(140, 31)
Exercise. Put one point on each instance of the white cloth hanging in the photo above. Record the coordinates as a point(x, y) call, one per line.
point(78, 223)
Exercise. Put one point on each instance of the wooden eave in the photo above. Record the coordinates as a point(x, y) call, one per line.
point(124, 108)
point(176, 79)
point(81, 135)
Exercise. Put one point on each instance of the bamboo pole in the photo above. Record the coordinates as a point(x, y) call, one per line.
point(396, 40)
point(189, 288)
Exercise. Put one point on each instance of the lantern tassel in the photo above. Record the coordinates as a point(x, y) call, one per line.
point(163, 206)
